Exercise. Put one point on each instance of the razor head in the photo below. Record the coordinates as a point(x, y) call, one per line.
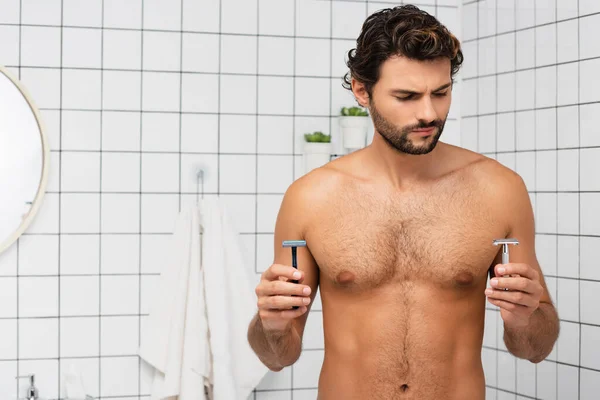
point(498, 242)
point(294, 243)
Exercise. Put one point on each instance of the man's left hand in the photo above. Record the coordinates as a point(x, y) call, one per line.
point(517, 295)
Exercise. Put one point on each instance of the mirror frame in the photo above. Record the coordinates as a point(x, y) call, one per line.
point(41, 191)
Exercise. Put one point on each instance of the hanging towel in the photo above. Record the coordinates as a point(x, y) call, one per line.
point(195, 336)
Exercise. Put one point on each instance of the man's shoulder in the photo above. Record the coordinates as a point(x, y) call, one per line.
point(316, 186)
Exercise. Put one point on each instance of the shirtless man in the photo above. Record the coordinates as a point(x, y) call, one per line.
point(399, 239)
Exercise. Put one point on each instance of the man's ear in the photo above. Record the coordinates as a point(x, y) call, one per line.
point(360, 93)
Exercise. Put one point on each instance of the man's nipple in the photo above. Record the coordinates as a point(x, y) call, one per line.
point(345, 277)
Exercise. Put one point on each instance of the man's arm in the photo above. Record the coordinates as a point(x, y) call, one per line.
point(275, 333)
point(531, 323)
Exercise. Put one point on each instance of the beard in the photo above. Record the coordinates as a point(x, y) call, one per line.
point(398, 139)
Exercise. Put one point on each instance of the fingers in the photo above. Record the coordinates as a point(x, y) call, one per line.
point(517, 269)
point(276, 271)
point(278, 287)
point(277, 315)
point(513, 297)
point(508, 306)
point(282, 302)
point(519, 283)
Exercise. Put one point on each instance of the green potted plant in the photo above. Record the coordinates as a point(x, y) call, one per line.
point(317, 150)
point(354, 122)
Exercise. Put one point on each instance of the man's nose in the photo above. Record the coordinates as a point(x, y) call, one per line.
point(426, 112)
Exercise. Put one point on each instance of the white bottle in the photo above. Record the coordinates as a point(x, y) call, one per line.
point(73, 385)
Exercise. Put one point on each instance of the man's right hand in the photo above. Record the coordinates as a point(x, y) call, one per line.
point(277, 296)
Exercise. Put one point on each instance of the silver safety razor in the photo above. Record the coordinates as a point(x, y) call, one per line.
point(505, 255)
point(294, 244)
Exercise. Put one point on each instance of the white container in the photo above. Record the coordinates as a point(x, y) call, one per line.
point(316, 154)
point(353, 130)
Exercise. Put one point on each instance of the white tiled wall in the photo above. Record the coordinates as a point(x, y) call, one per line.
point(136, 96)
point(531, 99)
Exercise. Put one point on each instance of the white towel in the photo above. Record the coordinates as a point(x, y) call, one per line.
point(195, 336)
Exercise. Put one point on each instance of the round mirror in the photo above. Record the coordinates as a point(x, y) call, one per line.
point(24, 159)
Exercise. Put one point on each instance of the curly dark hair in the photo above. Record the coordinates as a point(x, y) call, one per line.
point(403, 30)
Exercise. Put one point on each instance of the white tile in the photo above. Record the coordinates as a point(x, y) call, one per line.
point(8, 297)
point(201, 15)
point(153, 254)
point(450, 17)
point(590, 118)
point(568, 170)
point(469, 134)
point(567, 33)
point(568, 213)
point(276, 395)
point(276, 17)
point(160, 173)
point(80, 172)
point(120, 131)
point(589, 262)
point(199, 133)
point(200, 52)
point(490, 331)
point(267, 211)
point(545, 247)
point(235, 48)
point(162, 15)
point(52, 124)
point(312, 57)
point(76, 13)
point(80, 213)
point(120, 172)
point(119, 295)
point(81, 89)
point(568, 342)
point(242, 209)
point(81, 48)
point(588, 7)
point(313, 18)
point(490, 363)
point(11, 10)
point(275, 55)
point(120, 213)
point(312, 96)
point(79, 254)
point(506, 52)
point(568, 256)
point(589, 92)
point(487, 134)
point(237, 174)
point(8, 370)
point(590, 346)
point(490, 393)
point(264, 252)
point(89, 369)
point(487, 95)
point(239, 17)
point(238, 94)
point(161, 91)
point(506, 16)
point(509, 160)
point(590, 298)
point(567, 91)
point(307, 369)
point(275, 173)
point(119, 336)
point(123, 14)
point(79, 336)
point(191, 164)
point(41, 12)
point(545, 11)
point(276, 380)
point(159, 212)
point(589, 164)
point(507, 368)
point(566, 9)
point(8, 346)
point(525, 90)
point(38, 338)
point(40, 46)
point(120, 376)
point(546, 380)
point(526, 378)
point(526, 48)
point(487, 56)
point(79, 295)
point(525, 13)
point(275, 134)
point(38, 297)
point(9, 45)
point(120, 254)
point(347, 19)
point(506, 92)
point(199, 93)
point(470, 65)
point(506, 124)
point(122, 49)
point(545, 93)
point(588, 29)
point(568, 382)
point(590, 214)
point(589, 384)
point(38, 255)
point(468, 98)
point(340, 97)
point(275, 95)
point(546, 212)
point(238, 134)
point(80, 130)
point(160, 131)
point(568, 299)
point(545, 129)
point(46, 220)
point(161, 50)
point(469, 30)
point(43, 85)
point(526, 168)
point(568, 126)
point(487, 17)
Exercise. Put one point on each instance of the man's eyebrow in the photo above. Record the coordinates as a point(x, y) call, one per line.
point(405, 91)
